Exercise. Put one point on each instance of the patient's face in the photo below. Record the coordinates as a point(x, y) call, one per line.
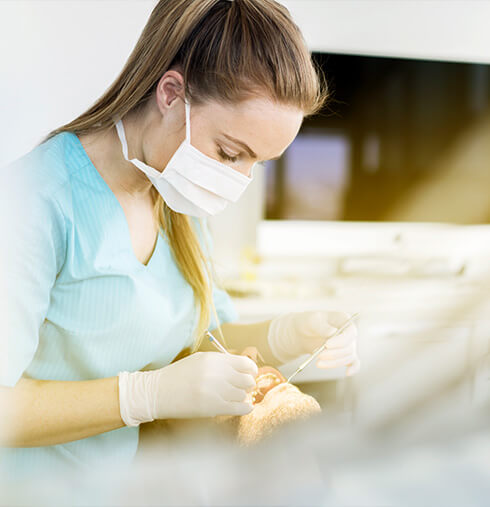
point(266, 379)
point(276, 402)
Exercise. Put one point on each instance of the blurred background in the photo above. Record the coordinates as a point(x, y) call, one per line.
point(380, 206)
point(401, 139)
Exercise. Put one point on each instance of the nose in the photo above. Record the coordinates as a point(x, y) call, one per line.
point(246, 171)
point(249, 171)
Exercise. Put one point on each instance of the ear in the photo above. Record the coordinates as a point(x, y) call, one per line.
point(169, 88)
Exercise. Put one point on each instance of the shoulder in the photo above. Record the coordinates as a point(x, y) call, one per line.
point(45, 170)
point(38, 185)
point(45, 177)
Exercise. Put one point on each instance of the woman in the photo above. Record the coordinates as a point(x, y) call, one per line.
point(108, 277)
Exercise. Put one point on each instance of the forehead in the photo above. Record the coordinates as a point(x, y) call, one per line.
point(267, 127)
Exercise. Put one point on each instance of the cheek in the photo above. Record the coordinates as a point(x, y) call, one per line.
point(205, 144)
point(161, 154)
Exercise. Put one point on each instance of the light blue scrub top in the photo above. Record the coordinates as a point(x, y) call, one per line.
point(75, 302)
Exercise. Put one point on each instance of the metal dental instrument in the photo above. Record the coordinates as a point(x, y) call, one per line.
point(216, 343)
point(318, 350)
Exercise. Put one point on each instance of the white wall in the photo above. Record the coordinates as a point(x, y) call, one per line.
point(454, 30)
point(57, 57)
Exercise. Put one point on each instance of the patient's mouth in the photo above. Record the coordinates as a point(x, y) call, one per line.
point(266, 379)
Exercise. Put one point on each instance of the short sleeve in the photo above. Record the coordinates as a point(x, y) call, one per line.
point(223, 303)
point(32, 249)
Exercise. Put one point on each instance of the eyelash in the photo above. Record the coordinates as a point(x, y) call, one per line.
point(224, 156)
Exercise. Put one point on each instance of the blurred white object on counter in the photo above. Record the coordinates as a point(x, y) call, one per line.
point(418, 286)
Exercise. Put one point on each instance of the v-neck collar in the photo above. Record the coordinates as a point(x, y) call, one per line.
point(107, 189)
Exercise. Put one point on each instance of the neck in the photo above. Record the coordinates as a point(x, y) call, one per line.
point(105, 151)
point(126, 175)
point(145, 130)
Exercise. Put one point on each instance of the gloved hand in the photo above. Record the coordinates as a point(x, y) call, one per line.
point(204, 384)
point(294, 334)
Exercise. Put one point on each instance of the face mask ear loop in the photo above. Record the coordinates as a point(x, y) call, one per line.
point(122, 138)
point(188, 121)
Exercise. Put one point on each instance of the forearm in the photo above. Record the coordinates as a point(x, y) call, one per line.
point(47, 412)
point(239, 336)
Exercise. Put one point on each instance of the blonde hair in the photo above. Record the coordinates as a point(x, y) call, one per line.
point(228, 51)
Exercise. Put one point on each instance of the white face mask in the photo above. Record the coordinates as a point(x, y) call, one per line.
point(192, 183)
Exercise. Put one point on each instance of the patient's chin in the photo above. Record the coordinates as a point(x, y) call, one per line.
point(281, 404)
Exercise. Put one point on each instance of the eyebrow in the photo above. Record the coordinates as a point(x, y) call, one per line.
point(246, 147)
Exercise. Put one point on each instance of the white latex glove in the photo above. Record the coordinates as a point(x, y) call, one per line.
point(294, 334)
point(204, 384)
